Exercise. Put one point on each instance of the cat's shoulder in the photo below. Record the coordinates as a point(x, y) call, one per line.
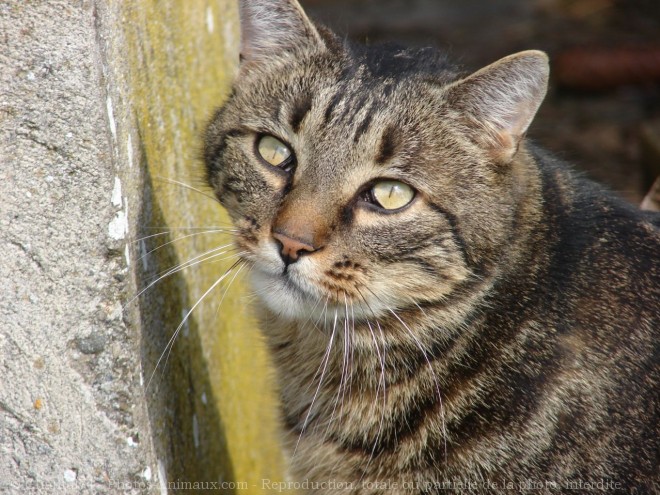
point(586, 200)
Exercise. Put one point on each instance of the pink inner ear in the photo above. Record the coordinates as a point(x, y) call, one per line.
point(507, 139)
point(505, 146)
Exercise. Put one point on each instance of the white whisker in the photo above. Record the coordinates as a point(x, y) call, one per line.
point(186, 186)
point(168, 348)
point(169, 230)
point(326, 359)
point(179, 239)
point(182, 266)
point(381, 381)
point(336, 403)
point(242, 265)
point(433, 375)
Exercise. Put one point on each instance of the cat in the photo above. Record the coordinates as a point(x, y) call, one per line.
point(448, 307)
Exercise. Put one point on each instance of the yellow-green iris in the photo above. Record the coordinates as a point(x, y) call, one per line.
point(273, 151)
point(392, 194)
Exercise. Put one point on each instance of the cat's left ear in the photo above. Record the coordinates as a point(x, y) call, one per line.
point(271, 28)
point(500, 100)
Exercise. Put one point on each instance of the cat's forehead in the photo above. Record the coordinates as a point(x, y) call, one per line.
point(347, 79)
point(335, 124)
point(353, 114)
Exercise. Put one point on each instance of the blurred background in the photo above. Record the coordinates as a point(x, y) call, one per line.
point(603, 110)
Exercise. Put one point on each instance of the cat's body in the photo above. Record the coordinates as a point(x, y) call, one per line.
point(493, 320)
point(551, 378)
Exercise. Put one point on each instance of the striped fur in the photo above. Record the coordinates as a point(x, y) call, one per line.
point(502, 328)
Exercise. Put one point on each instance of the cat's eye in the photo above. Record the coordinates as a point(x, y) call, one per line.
point(392, 194)
point(274, 151)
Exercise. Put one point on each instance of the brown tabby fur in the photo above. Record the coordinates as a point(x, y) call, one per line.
point(502, 328)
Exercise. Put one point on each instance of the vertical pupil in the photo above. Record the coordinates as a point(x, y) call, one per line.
point(391, 194)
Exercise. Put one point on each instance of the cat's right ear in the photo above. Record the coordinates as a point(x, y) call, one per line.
point(271, 28)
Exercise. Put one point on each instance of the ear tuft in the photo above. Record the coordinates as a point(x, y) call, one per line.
point(503, 98)
point(270, 28)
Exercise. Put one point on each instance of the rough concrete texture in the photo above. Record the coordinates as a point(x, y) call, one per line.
point(101, 108)
point(71, 409)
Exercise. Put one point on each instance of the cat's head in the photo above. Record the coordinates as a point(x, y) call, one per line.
point(365, 178)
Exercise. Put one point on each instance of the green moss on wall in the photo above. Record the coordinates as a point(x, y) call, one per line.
point(211, 405)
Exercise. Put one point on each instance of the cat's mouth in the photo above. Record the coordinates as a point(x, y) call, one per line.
point(290, 295)
point(317, 290)
point(290, 284)
point(285, 294)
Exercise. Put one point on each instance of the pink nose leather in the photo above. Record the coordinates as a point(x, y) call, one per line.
point(292, 249)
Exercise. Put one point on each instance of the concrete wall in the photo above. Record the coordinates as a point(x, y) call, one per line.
point(101, 108)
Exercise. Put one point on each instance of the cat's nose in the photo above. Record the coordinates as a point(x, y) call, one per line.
point(292, 249)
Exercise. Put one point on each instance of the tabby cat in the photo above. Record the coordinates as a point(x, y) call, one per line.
point(447, 306)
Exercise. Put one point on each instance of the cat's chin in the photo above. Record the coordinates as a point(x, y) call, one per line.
point(281, 296)
point(287, 299)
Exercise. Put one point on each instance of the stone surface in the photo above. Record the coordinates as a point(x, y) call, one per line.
point(101, 109)
point(70, 390)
